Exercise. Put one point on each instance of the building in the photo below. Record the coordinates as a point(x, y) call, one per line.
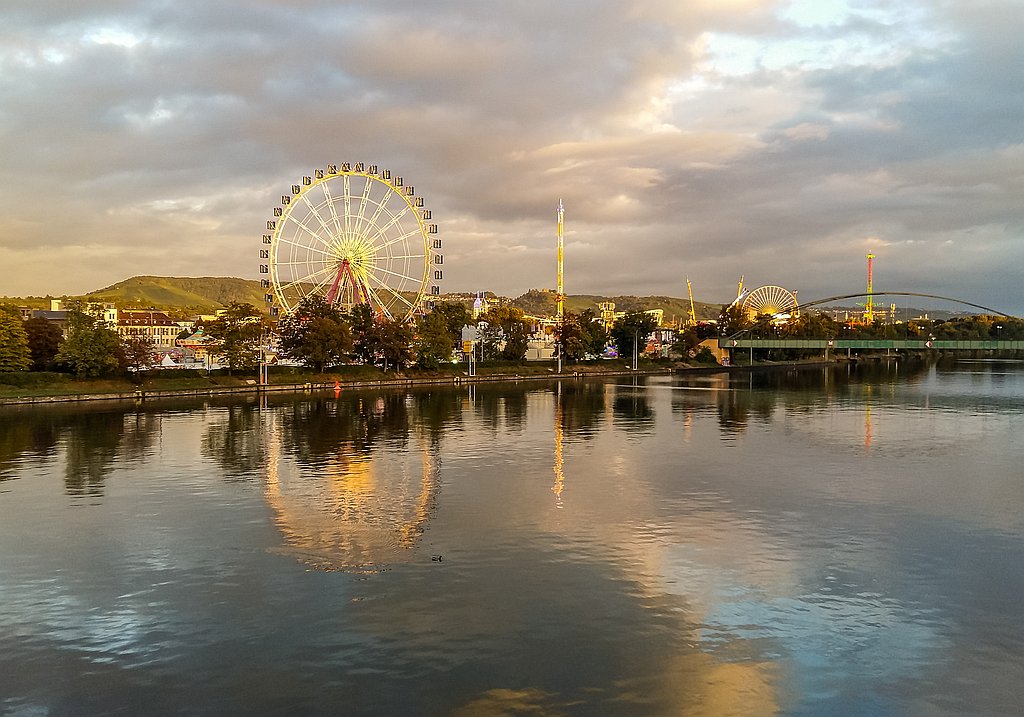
point(199, 347)
point(155, 326)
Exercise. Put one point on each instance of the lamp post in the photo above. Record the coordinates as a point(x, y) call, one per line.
point(635, 350)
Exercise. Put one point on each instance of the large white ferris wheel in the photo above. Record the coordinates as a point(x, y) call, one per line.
point(353, 234)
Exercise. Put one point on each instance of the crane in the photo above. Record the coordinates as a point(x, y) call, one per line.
point(740, 296)
point(692, 321)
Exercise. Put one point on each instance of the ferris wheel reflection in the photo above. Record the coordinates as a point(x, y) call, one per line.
point(355, 505)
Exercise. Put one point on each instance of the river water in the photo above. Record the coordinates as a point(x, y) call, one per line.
point(843, 541)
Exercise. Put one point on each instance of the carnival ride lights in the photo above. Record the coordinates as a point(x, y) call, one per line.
point(353, 234)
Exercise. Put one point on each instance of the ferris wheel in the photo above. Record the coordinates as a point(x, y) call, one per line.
point(772, 300)
point(353, 234)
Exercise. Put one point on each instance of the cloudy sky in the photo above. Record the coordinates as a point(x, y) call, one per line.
point(776, 139)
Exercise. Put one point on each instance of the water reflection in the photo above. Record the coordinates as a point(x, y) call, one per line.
point(559, 485)
point(631, 409)
point(90, 439)
point(581, 407)
point(236, 441)
point(501, 406)
point(353, 481)
point(852, 548)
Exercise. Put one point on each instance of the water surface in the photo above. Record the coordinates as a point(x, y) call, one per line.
point(842, 541)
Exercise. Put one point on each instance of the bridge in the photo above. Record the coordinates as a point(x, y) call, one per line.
point(744, 339)
point(736, 342)
point(830, 299)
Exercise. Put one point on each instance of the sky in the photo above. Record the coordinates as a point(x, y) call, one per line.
point(778, 140)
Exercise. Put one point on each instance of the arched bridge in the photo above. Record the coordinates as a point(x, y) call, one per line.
point(830, 299)
point(743, 339)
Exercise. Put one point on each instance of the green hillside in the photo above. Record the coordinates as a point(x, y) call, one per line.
point(541, 302)
point(185, 296)
point(194, 294)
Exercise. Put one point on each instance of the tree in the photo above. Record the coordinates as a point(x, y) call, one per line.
point(579, 335)
point(733, 319)
point(506, 335)
point(632, 330)
point(394, 341)
point(811, 324)
point(595, 334)
point(138, 352)
point(44, 340)
point(686, 342)
point(434, 341)
point(91, 349)
point(571, 337)
point(455, 315)
point(380, 340)
point(364, 332)
point(238, 331)
point(14, 349)
point(316, 334)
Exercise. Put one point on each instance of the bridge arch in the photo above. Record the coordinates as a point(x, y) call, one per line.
point(818, 302)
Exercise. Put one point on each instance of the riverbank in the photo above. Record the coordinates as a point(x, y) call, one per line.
point(175, 386)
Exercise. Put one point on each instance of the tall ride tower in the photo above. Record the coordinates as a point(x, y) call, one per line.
point(560, 291)
point(869, 313)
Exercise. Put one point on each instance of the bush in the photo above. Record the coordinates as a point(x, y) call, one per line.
point(704, 356)
point(31, 379)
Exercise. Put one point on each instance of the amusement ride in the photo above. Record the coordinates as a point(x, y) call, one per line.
point(352, 234)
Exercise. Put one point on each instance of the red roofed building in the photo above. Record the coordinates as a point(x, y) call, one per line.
point(158, 327)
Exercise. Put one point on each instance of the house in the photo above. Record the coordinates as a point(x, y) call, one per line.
point(155, 326)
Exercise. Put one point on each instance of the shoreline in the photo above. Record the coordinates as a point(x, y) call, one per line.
point(141, 395)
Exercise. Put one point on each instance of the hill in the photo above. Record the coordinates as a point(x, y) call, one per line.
point(541, 302)
point(188, 294)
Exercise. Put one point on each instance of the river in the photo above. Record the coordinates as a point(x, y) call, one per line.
point(828, 541)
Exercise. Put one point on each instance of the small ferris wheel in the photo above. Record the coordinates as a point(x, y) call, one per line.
point(353, 234)
point(775, 301)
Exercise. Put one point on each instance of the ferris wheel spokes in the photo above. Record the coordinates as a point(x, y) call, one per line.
point(395, 274)
point(309, 280)
point(352, 235)
point(308, 247)
point(384, 306)
point(408, 235)
point(316, 213)
point(360, 217)
point(347, 202)
point(334, 210)
point(395, 218)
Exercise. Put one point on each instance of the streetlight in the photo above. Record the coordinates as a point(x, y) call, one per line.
point(634, 349)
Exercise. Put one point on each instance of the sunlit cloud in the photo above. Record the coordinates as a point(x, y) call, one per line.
point(706, 137)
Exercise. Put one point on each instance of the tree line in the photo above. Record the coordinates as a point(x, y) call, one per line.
point(808, 325)
point(316, 335)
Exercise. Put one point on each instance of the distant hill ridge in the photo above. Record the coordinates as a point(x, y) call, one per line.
point(541, 302)
point(201, 294)
point(184, 295)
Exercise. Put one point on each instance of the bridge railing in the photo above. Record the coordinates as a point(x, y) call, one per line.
point(740, 342)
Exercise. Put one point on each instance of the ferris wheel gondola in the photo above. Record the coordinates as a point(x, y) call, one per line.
point(353, 234)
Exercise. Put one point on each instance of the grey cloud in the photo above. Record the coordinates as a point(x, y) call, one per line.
point(179, 146)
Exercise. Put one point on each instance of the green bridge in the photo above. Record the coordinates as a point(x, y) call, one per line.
point(727, 342)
